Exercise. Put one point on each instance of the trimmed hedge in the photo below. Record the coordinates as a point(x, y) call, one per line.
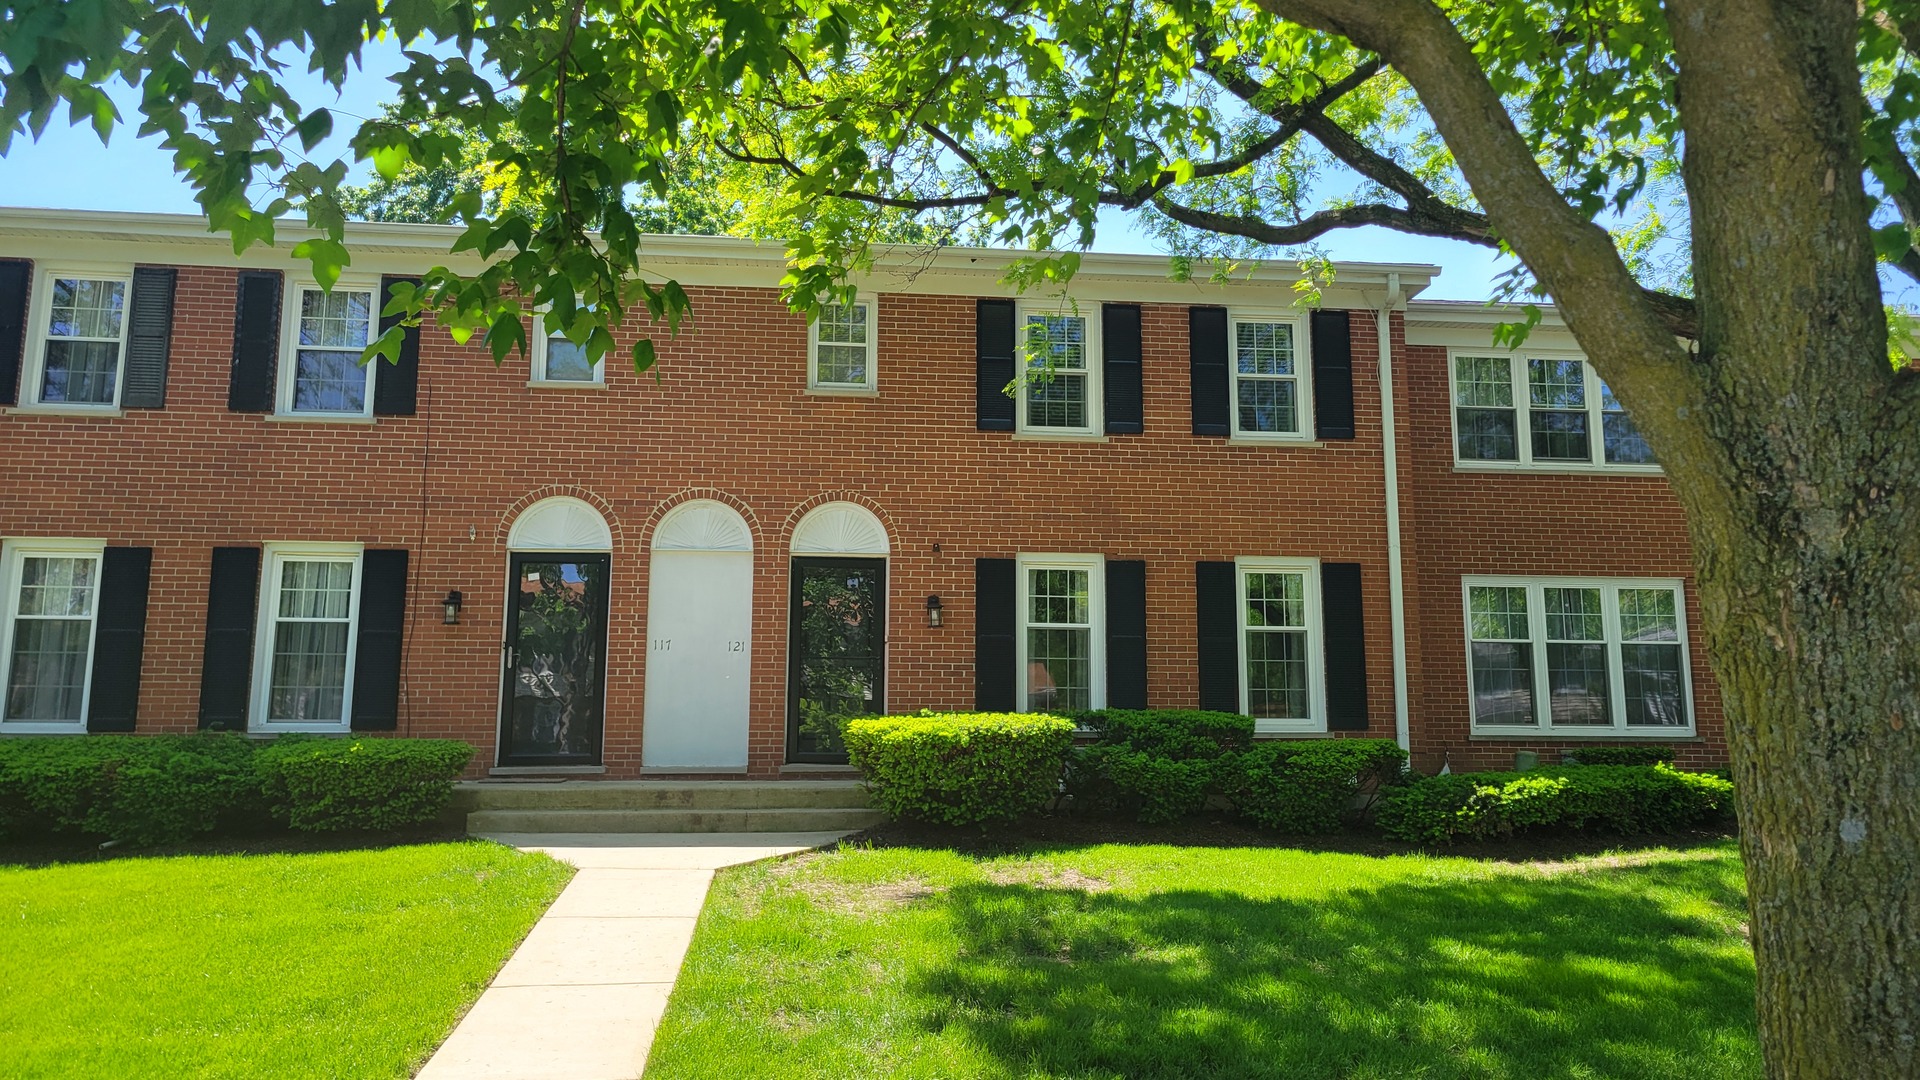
point(328, 785)
point(159, 789)
point(960, 768)
point(1154, 765)
point(1605, 798)
point(1308, 786)
point(1619, 755)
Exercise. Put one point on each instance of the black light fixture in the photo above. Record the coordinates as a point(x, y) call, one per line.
point(933, 611)
point(452, 605)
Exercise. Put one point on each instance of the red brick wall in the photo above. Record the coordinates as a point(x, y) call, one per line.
point(730, 419)
point(1458, 523)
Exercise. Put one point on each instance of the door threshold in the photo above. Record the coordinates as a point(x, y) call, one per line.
point(547, 770)
point(691, 770)
point(825, 767)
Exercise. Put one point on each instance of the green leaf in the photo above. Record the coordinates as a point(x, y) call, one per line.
point(328, 258)
point(389, 160)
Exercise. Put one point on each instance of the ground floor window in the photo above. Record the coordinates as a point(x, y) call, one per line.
point(309, 603)
point(52, 591)
point(1574, 656)
point(1279, 673)
point(1061, 636)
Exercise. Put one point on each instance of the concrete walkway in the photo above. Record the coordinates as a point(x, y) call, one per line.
point(581, 997)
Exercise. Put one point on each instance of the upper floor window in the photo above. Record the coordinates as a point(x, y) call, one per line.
point(1577, 656)
point(559, 360)
point(841, 347)
point(1060, 393)
point(1062, 634)
point(83, 339)
point(320, 371)
point(1540, 410)
point(1268, 376)
point(52, 591)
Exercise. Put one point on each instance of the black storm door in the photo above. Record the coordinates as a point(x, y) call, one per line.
point(553, 706)
point(837, 654)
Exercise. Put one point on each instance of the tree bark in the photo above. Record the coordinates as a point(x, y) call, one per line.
point(1796, 452)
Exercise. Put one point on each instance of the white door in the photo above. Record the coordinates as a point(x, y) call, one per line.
point(699, 615)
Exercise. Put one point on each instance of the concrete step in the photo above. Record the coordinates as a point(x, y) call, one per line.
point(782, 819)
point(474, 796)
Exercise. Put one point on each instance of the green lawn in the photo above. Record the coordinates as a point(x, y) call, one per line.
point(337, 964)
point(1160, 961)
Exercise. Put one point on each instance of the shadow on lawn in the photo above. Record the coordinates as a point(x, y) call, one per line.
point(1574, 974)
point(67, 848)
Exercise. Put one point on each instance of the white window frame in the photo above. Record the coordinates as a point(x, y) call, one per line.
point(35, 369)
point(537, 351)
point(290, 349)
point(1522, 407)
point(872, 383)
point(1302, 374)
point(1316, 719)
point(13, 552)
point(1096, 361)
point(1095, 567)
point(1616, 672)
point(273, 557)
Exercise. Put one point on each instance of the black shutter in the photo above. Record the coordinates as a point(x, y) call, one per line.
point(119, 638)
point(14, 276)
point(1344, 628)
point(1214, 587)
point(396, 386)
point(226, 664)
point(993, 653)
point(256, 341)
point(994, 356)
point(1120, 371)
point(1332, 375)
point(1126, 634)
point(376, 663)
point(1207, 367)
point(149, 337)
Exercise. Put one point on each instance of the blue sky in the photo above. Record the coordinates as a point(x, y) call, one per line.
point(69, 169)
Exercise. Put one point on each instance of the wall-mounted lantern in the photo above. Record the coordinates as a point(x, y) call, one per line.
point(452, 604)
point(933, 611)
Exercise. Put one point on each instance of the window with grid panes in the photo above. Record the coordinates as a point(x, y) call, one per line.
point(1277, 663)
point(1058, 385)
point(308, 638)
point(52, 599)
point(325, 374)
point(86, 331)
point(1058, 636)
point(1266, 377)
point(1540, 411)
point(843, 340)
point(1592, 657)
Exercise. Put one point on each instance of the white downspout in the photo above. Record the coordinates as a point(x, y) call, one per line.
point(1389, 448)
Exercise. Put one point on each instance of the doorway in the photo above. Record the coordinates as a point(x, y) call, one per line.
point(553, 705)
point(836, 653)
point(699, 639)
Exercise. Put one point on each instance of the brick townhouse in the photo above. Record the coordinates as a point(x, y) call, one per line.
point(213, 518)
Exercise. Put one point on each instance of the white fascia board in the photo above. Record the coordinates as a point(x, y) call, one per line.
point(397, 248)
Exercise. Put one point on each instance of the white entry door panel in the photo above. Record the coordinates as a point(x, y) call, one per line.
point(699, 648)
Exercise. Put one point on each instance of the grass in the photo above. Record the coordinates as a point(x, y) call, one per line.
point(329, 964)
point(1112, 961)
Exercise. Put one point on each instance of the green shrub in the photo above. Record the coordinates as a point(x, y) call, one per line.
point(1618, 755)
point(1153, 765)
point(137, 789)
point(960, 768)
point(1307, 786)
point(1601, 798)
point(333, 785)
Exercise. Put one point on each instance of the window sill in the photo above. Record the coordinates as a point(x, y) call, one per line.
point(1602, 735)
point(567, 384)
point(318, 418)
point(25, 727)
point(1274, 440)
point(1278, 734)
point(1570, 468)
point(843, 391)
point(1061, 436)
point(271, 730)
point(96, 411)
